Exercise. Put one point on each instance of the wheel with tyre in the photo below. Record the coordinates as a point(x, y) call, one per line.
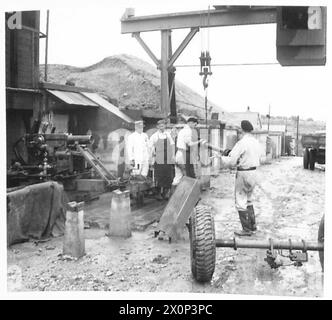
point(321, 240)
point(202, 244)
point(306, 158)
point(312, 159)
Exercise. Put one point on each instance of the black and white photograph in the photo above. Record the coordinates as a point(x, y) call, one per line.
point(165, 147)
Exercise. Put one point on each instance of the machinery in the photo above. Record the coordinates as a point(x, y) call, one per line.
point(314, 149)
point(66, 158)
point(53, 156)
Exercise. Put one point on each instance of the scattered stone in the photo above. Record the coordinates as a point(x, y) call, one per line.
point(160, 259)
point(122, 279)
point(109, 273)
point(68, 258)
point(78, 277)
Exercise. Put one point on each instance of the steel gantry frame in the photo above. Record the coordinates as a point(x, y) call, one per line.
point(221, 16)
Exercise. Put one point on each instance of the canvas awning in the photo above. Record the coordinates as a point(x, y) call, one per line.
point(75, 98)
point(88, 99)
point(107, 105)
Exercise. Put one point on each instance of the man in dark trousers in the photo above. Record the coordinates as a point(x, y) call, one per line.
point(245, 155)
point(163, 147)
point(186, 155)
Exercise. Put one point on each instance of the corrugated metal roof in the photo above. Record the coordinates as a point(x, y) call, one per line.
point(107, 105)
point(75, 98)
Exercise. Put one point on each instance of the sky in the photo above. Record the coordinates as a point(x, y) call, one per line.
point(84, 35)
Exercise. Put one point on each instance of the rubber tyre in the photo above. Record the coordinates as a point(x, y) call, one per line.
point(306, 158)
point(321, 239)
point(202, 244)
point(312, 159)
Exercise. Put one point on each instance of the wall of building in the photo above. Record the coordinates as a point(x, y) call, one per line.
point(22, 72)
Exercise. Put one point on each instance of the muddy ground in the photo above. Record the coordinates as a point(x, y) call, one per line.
point(143, 263)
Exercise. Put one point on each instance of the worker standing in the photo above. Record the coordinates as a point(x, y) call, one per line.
point(138, 150)
point(245, 155)
point(186, 155)
point(163, 151)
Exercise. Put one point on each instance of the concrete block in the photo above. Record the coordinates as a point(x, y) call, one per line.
point(74, 242)
point(120, 214)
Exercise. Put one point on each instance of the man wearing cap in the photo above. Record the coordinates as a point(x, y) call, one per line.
point(138, 150)
point(162, 145)
point(186, 156)
point(245, 155)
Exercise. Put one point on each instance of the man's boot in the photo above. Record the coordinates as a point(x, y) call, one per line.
point(246, 224)
point(252, 217)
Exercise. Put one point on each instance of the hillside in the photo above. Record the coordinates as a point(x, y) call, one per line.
point(128, 82)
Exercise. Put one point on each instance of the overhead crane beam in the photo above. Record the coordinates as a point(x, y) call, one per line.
point(194, 19)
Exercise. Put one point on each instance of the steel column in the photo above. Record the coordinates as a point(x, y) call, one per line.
point(164, 98)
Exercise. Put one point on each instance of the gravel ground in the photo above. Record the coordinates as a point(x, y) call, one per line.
point(143, 263)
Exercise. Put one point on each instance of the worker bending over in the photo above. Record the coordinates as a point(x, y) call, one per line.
point(246, 157)
point(138, 150)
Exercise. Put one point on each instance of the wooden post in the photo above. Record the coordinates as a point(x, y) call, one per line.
point(120, 214)
point(74, 242)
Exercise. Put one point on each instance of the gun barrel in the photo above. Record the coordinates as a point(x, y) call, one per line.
point(80, 139)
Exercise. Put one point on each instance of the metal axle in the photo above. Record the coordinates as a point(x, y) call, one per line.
point(268, 244)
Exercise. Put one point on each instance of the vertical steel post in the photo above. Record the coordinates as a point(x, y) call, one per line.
point(297, 135)
point(46, 45)
point(164, 96)
point(268, 121)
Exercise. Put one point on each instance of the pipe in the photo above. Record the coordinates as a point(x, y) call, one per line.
point(23, 90)
point(46, 44)
point(266, 244)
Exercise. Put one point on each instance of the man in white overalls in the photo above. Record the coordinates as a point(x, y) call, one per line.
point(138, 150)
